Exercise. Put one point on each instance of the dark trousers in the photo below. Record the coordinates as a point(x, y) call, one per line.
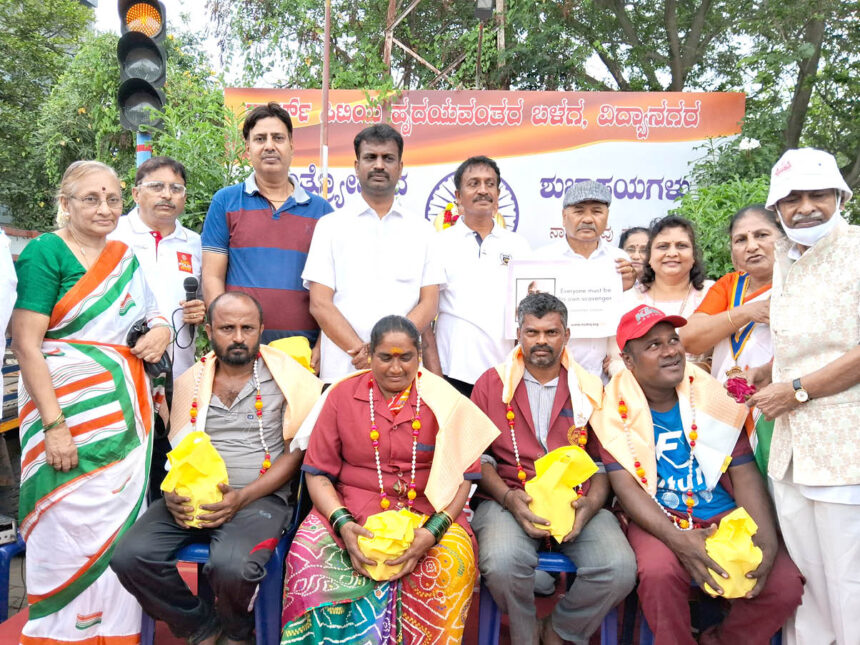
point(145, 562)
point(664, 589)
point(461, 386)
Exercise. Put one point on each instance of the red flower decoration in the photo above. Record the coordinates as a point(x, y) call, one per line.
point(740, 389)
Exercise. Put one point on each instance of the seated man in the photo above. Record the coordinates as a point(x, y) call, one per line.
point(551, 399)
point(673, 498)
point(243, 528)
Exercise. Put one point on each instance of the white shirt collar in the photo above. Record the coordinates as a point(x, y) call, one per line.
point(600, 250)
point(138, 226)
point(363, 208)
point(465, 231)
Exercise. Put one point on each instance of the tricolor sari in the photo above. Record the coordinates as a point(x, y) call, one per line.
point(71, 521)
point(750, 346)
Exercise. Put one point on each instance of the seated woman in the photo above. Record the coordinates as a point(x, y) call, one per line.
point(86, 411)
point(390, 438)
point(673, 279)
point(734, 317)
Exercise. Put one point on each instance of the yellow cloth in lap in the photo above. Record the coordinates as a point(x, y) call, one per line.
point(196, 469)
point(393, 532)
point(731, 547)
point(552, 487)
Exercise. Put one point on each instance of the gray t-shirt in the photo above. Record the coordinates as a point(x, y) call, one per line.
point(235, 433)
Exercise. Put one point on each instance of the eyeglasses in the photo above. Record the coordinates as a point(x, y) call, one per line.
point(158, 186)
point(92, 201)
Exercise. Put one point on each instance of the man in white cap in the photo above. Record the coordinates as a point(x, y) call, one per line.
point(584, 215)
point(815, 393)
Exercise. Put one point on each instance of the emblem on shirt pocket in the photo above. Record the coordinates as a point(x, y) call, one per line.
point(505, 258)
point(184, 261)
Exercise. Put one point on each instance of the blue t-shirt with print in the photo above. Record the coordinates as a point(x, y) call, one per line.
point(673, 470)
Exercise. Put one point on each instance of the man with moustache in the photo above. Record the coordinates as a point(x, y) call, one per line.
point(815, 392)
point(167, 251)
point(257, 233)
point(679, 461)
point(551, 399)
point(474, 254)
point(370, 260)
point(243, 528)
point(585, 213)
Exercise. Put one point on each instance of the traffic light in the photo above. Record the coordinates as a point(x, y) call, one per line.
point(142, 61)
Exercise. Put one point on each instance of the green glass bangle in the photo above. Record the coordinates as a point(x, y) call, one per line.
point(55, 423)
point(438, 524)
point(340, 511)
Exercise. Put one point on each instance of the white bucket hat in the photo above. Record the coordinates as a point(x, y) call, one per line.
point(805, 169)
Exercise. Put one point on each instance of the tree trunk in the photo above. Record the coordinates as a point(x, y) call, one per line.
point(808, 68)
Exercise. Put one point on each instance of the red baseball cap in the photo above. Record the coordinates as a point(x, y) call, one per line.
point(638, 322)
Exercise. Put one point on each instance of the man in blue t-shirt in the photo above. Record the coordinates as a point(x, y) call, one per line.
point(257, 233)
point(679, 460)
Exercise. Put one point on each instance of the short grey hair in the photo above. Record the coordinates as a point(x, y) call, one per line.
point(539, 305)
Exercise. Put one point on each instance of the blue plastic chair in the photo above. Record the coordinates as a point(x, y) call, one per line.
point(489, 614)
point(267, 606)
point(7, 552)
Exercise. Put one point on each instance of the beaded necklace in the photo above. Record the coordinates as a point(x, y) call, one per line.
point(683, 524)
point(258, 407)
point(384, 502)
point(577, 435)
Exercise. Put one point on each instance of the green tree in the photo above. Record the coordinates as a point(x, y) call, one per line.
point(37, 40)
point(80, 120)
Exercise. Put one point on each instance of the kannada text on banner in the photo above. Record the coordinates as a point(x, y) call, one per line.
point(639, 144)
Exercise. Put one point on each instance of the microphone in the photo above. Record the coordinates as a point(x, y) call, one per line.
point(190, 284)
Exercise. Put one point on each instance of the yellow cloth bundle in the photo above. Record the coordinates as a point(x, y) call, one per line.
point(731, 547)
point(296, 347)
point(196, 469)
point(552, 487)
point(393, 532)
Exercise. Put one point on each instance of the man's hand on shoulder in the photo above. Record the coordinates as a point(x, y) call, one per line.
point(217, 514)
point(178, 506)
point(517, 503)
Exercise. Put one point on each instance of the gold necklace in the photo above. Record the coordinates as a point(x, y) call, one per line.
point(87, 264)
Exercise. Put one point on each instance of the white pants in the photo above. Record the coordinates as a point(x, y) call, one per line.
point(823, 539)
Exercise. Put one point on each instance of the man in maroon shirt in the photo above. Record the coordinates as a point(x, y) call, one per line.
point(546, 417)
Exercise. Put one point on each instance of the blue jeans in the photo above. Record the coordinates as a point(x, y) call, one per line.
point(606, 572)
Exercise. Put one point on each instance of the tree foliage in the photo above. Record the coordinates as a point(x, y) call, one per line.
point(80, 120)
point(37, 41)
point(797, 61)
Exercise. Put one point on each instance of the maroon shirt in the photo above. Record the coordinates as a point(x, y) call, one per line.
point(487, 395)
point(340, 448)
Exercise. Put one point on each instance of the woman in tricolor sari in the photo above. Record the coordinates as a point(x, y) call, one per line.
point(390, 438)
point(86, 412)
point(734, 317)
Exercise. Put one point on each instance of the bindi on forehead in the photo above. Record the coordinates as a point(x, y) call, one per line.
point(395, 351)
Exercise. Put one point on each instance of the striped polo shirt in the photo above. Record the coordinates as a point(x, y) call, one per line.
point(266, 251)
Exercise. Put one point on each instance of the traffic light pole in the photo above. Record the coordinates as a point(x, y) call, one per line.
point(144, 147)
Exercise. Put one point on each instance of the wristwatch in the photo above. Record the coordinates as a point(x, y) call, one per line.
point(800, 394)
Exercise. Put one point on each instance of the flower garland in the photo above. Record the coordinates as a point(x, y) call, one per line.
point(685, 524)
point(411, 494)
point(577, 435)
point(449, 216)
point(258, 407)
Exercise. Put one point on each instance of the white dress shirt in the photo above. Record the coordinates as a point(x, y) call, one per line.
point(589, 352)
point(470, 329)
point(177, 256)
point(376, 267)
